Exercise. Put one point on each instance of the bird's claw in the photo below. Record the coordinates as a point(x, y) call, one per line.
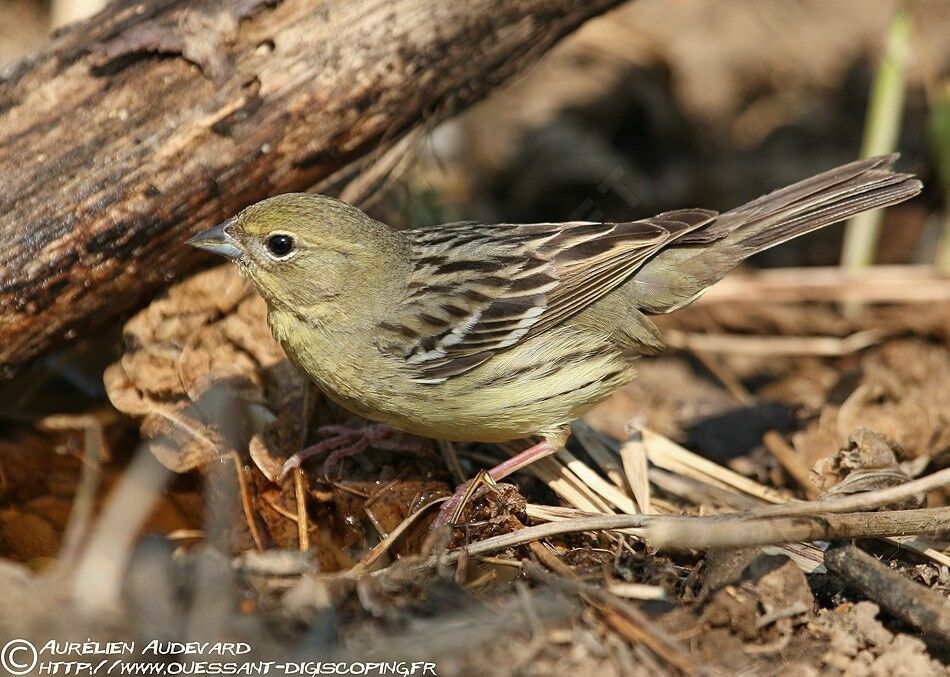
point(345, 442)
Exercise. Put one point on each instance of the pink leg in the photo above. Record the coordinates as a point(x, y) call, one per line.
point(346, 442)
point(339, 442)
point(448, 511)
point(389, 443)
point(336, 456)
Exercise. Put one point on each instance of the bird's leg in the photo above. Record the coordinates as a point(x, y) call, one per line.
point(452, 508)
point(384, 441)
point(346, 442)
point(377, 436)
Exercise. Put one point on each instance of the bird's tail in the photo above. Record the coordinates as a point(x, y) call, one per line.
point(681, 272)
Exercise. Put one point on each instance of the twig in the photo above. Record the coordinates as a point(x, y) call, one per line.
point(373, 555)
point(924, 609)
point(97, 580)
point(552, 513)
point(766, 346)
point(637, 635)
point(550, 560)
point(596, 483)
point(185, 535)
point(680, 460)
point(704, 534)
point(567, 485)
point(876, 284)
point(303, 535)
point(862, 501)
point(753, 528)
point(481, 477)
point(593, 443)
point(666, 454)
point(451, 460)
point(282, 511)
point(94, 452)
point(542, 531)
point(700, 490)
point(723, 375)
point(501, 561)
point(480, 581)
point(622, 616)
point(247, 505)
point(640, 591)
point(791, 461)
point(633, 454)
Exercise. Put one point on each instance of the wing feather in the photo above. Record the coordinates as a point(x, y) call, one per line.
point(475, 290)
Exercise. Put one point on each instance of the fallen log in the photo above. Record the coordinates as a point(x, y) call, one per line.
point(156, 119)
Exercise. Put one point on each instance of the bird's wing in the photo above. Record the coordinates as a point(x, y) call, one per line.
point(475, 289)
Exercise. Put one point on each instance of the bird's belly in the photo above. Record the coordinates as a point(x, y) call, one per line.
point(516, 394)
point(489, 417)
point(536, 386)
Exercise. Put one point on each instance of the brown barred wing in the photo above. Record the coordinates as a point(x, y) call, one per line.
point(478, 289)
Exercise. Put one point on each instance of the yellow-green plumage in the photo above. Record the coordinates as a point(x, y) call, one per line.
point(490, 333)
point(525, 390)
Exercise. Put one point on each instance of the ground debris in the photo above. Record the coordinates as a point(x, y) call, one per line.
point(769, 599)
point(740, 614)
point(898, 390)
point(195, 369)
point(492, 509)
point(869, 462)
point(861, 645)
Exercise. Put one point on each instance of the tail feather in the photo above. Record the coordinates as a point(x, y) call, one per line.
point(680, 273)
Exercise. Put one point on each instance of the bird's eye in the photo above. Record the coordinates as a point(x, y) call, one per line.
point(280, 245)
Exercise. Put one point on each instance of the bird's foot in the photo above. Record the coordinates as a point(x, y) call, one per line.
point(451, 510)
point(341, 443)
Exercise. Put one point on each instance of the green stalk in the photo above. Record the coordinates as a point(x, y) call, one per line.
point(881, 131)
point(942, 260)
point(940, 146)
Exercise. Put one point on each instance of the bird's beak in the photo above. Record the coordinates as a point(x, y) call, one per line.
point(218, 240)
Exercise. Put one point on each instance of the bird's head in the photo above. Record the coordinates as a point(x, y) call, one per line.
point(305, 252)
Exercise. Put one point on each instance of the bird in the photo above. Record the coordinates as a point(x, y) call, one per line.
point(497, 332)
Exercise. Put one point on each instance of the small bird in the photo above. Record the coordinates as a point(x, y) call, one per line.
point(489, 333)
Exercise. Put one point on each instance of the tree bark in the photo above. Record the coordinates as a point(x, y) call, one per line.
point(155, 119)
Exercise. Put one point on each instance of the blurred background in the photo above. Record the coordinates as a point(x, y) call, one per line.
point(664, 104)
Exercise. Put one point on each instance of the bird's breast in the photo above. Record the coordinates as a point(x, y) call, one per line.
point(534, 387)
